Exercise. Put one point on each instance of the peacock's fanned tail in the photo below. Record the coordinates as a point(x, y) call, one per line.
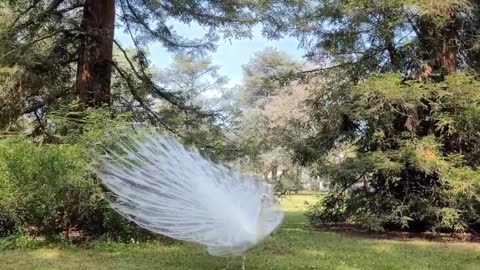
point(174, 191)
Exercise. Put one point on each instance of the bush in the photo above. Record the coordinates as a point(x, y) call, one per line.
point(47, 190)
point(414, 156)
point(43, 188)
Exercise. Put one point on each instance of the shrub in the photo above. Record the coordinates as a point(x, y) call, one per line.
point(47, 190)
point(43, 188)
point(414, 156)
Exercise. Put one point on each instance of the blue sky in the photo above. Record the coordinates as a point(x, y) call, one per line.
point(230, 55)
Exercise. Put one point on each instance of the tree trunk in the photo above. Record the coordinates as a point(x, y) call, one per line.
point(274, 173)
point(95, 53)
point(447, 57)
point(439, 44)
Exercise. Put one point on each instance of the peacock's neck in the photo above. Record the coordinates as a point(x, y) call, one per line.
point(260, 221)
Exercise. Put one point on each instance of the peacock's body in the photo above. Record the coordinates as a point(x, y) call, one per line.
point(170, 190)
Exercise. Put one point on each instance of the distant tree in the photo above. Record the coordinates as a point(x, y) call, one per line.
point(195, 77)
point(273, 117)
point(263, 73)
point(198, 81)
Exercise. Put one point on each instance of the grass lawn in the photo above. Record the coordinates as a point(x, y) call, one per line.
point(293, 246)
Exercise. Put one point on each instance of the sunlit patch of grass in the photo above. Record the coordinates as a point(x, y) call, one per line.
point(299, 202)
point(47, 254)
point(293, 246)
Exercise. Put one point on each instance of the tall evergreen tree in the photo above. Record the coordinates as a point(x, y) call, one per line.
point(95, 52)
point(43, 40)
point(401, 102)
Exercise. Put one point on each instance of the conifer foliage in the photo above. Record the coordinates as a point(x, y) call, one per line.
point(401, 105)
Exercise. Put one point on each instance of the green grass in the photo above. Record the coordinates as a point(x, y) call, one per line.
point(293, 246)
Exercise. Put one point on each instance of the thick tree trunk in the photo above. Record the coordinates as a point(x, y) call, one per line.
point(447, 57)
point(439, 44)
point(95, 56)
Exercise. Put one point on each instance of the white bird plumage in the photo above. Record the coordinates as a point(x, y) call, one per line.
point(171, 190)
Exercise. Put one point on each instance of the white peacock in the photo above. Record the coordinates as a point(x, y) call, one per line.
point(171, 190)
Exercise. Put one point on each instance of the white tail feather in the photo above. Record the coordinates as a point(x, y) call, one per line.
point(165, 188)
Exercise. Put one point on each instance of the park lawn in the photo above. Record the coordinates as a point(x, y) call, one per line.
point(293, 246)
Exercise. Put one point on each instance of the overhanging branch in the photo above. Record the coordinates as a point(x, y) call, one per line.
point(162, 92)
point(153, 117)
point(31, 43)
point(349, 185)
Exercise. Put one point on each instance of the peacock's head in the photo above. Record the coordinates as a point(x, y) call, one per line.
point(264, 197)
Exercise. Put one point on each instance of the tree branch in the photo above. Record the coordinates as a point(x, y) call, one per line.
point(53, 6)
point(159, 91)
point(316, 70)
point(30, 43)
point(153, 117)
point(212, 17)
point(349, 185)
point(70, 8)
point(24, 12)
point(166, 40)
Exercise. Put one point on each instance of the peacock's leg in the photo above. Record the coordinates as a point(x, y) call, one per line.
point(243, 262)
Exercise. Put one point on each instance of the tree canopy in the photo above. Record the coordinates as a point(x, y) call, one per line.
point(65, 41)
point(401, 93)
